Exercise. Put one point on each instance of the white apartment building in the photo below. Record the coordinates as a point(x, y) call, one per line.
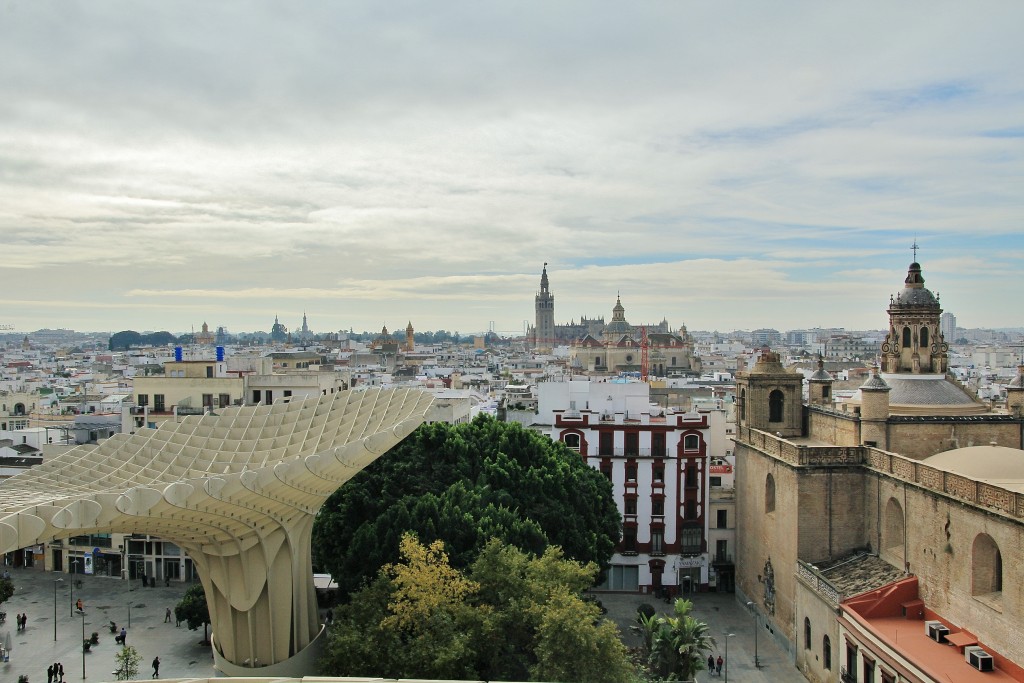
point(658, 461)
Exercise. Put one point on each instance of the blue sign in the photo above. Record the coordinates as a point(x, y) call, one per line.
point(95, 552)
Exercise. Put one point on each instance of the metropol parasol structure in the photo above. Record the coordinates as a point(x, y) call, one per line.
point(238, 490)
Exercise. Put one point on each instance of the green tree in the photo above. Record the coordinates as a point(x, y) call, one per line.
point(193, 611)
point(465, 484)
point(6, 590)
point(124, 340)
point(511, 616)
point(675, 648)
point(127, 659)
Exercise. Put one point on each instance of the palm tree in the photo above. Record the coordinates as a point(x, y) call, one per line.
point(676, 647)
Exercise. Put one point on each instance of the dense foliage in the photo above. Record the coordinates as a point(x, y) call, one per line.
point(6, 589)
point(192, 609)
point(129, 338)
point(510, 616)
point(674, 648)
point(464, 485)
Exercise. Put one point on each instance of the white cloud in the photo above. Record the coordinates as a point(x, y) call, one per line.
point(723, 163)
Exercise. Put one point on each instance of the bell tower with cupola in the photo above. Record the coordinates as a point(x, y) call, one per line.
point(914, 343)
point(544, 309)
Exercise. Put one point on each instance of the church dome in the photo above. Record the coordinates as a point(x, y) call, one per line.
point(915, 293)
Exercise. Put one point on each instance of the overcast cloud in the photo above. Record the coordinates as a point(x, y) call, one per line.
point(723, 165)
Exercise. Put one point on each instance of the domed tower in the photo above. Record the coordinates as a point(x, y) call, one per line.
point(544, 313)
point(769, 397)
point(819, 390)
point(618, 326)
point(874, 411)
point(914, 343)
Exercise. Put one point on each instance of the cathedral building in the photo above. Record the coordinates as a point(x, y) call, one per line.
point(868, 526)
point(615, 347)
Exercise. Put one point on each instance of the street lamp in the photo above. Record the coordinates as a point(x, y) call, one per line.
point(753, 610)
point(55, 582)
point(727, 637)
point(71, 565)
point(82, 612)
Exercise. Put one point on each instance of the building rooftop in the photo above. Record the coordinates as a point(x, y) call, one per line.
point(894, 615)
point(859, 574)
point(996, 465)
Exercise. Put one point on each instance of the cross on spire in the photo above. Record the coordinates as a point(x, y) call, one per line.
point(914, 248)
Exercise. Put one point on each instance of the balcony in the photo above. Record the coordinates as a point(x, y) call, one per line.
point(634, 452)
point(847, 676)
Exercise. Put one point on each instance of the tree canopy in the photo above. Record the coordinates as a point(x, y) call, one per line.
point(6, 589)
point(676, 647)
point(510, 616)
point(129, 338)
point(465, 484)
point(192, 609)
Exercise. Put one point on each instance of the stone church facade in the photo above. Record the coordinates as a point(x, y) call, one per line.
point(892, 480)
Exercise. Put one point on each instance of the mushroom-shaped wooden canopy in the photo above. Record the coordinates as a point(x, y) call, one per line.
point(238, 490)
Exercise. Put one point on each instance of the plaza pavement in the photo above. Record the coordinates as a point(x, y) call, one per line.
point(105, 599)
point(723, 614)
point(182, 657)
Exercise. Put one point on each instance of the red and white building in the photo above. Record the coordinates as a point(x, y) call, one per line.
point(658, 460)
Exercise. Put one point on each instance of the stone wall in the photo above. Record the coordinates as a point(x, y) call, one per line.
point(920, 439)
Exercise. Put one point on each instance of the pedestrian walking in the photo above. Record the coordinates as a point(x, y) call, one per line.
point(124, 636)
point(718, 665)
point(156, 667)
point(143, 580)
point(60, 671)
point(49, 674)
point(711, 664)
point(167, 616)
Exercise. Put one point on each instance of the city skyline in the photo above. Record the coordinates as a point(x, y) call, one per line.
point(726, 167)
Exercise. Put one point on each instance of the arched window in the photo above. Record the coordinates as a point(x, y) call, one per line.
point(986, 566)
point(769, 494)
point(691, 442)
point(743, 404)
point(893, 528)
point(826, 653)
point(776, 401)
point(572, 441)
point(906, 336)
point(807, 633)
point(924, 337)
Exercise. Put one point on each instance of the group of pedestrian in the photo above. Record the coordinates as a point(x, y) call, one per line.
point(21, 620)
point(55, 673)
point(715, 665)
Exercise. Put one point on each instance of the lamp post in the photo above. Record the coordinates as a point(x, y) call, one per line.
point(727, 637)
point(55, 582)
point(129, 615)
point(71, 565)
point(82, 612)
point(753, 611)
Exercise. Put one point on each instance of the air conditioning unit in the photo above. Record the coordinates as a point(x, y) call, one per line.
point(978, 658)
point(936, 630)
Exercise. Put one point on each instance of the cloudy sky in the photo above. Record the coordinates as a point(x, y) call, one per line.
point(720, 164)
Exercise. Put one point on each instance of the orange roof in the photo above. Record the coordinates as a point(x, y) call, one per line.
point(879, 612)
